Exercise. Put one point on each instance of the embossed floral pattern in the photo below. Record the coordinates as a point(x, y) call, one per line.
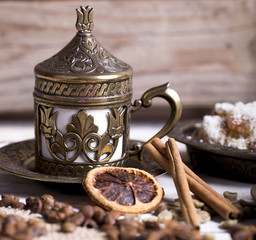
point(84, 55)
point(82, 135)
point(48, 119)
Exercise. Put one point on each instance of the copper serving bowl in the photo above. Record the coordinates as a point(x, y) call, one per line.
point(225, 162)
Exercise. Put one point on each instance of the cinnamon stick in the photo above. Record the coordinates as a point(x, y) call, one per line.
point(222, 206)
point(181, 183)
point(163, 162)
point(158, 157)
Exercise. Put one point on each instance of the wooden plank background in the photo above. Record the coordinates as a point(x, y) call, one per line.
point(207, 49)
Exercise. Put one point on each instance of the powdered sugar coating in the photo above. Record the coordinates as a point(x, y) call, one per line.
point(213, 129)
point(223, 109)
point(233, 125)
point(242, 118)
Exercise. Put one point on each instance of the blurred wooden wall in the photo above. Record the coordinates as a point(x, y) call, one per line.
point(207, 49)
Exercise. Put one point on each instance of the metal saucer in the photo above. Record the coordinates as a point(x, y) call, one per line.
point(216, 160)
point(19, 159)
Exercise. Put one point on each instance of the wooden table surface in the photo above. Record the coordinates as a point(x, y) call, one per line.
point(9, 184)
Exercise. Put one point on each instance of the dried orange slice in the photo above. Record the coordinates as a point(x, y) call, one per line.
point(127, 190)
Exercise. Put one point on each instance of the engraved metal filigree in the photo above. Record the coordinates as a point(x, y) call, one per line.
point(82, 136)
point(84, 54)
point(72, 170)
point(82, 89)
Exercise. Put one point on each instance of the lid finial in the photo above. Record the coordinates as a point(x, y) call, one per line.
point(84, 21)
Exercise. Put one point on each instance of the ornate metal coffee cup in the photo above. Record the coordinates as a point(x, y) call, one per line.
point(82, 102)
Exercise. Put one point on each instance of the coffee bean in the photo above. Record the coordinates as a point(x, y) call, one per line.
point(99, 214)
point(87, 210)
point(111, 230)
point(48, 198)
point(52, 216)
point(34, 204)
point(67, 210)
point(68, 227)
point(48, 202)
point(8, 200)
point(90, 223)
point(111, 217)
point(21, 225)
point(58, 205)
point(9, 229)
point(38, 227)
point(18, 205)
point(76, 218)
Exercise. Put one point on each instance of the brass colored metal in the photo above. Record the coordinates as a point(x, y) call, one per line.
point(19, 159)
point(163, 91)
point(81, 137)
point(84, 21)
point(81, 79)
point(82, 132)
point(83, 61)
point(82, 76)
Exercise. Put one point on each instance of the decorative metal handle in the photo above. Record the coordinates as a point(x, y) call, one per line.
point(163, 91)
